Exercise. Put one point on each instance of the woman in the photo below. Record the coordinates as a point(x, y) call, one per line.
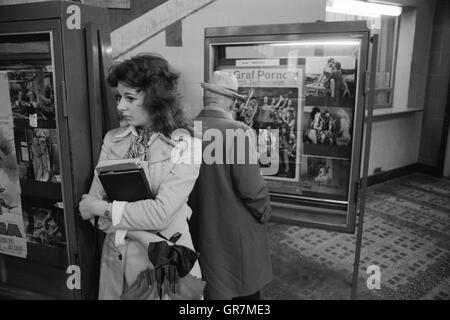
point(314, 130)
point(324, 78)
point(343, 134)
point(338, 84)
point(148, 104)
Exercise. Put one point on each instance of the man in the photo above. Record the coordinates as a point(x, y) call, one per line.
point(230, 203)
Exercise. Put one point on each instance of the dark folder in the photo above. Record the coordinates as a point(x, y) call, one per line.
point(126, 185)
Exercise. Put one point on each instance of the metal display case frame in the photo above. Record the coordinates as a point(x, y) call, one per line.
point(85, 109)
point(298, 209)
point(295, 210)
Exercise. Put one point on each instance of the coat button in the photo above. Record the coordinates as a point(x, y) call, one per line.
point(120, 257)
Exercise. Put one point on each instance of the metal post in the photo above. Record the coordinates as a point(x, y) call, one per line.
point(369, 88)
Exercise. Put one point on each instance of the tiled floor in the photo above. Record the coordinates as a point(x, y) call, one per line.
point(406, 233)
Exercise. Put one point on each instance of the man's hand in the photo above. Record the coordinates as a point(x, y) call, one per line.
point(90, 207)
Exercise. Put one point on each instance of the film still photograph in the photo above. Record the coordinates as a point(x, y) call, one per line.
point(37, 154)
point(268, 109)
point(330, 81)
point(31, 92)
point(325, 178)
point(327, 132)
point(44, 226)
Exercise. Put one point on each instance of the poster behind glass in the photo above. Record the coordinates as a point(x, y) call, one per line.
point(301, 103)
point(30, 165)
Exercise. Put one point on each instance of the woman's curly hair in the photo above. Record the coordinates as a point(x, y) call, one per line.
point(151, 74)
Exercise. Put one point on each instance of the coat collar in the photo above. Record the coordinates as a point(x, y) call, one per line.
point(122, 141)
point(212, 112)
point(130, 133)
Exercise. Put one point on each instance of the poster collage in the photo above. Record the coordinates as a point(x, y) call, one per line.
point(28, 153)
point(312, 105)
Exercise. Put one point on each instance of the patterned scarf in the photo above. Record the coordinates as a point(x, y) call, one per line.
point(138, 149)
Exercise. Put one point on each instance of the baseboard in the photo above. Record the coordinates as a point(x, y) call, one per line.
point(392, 174)
point(433, 171)
point(403, 171)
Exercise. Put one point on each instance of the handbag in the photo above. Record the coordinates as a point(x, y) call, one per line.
point(168, 277)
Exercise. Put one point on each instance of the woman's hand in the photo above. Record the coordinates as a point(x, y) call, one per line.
point(90, 207)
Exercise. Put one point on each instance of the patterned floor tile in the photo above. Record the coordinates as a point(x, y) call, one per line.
point(440, 292)
point(406, 234)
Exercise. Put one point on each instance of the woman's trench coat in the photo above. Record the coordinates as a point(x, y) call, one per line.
point(171, 181)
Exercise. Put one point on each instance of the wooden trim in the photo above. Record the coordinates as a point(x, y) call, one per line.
point(152, 23)
point(112, 4)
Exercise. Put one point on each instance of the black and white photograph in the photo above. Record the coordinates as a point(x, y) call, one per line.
point(44, 226)
point(327, 132)
point(325, 177)
point(330, 81)
point(290, 150)
point(37, 154)
point(31, 92)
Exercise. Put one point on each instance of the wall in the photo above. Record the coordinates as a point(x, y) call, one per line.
point(395, 141)
point(189, 58)
point(395, 137)
point(437, 88)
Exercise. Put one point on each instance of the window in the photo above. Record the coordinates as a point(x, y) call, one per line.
point(386, 27)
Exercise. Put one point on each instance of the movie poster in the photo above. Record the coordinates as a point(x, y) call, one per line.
point(273, 103)
point(12, 230)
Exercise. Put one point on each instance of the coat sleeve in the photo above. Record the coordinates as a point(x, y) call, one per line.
point(249, 183)
point(97, 190)
point(156, 214)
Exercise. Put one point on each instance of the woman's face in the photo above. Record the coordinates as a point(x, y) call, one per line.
point(317, 116)
point(130, 104)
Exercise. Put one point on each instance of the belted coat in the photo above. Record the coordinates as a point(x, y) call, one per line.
point(171, 182)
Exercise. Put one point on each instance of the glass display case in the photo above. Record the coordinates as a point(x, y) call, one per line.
point(53, 114)
point(304, 88)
